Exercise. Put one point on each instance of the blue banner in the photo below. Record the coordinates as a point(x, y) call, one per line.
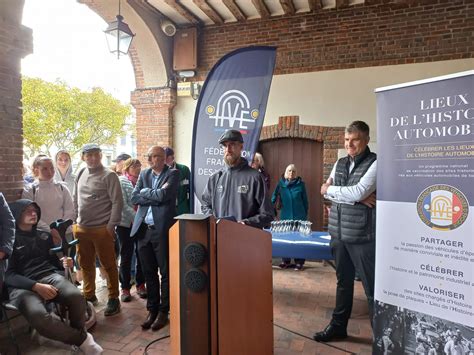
point(234, 96)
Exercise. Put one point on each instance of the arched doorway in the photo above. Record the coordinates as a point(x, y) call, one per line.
point(313, 149)
point(307, 155)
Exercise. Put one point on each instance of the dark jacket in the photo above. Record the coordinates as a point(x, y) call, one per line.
point(238, 192)
point(30, 260)
point(293, 198)
point(162, 200)
point(182, 201)
point(352, 223)
point(7, 235)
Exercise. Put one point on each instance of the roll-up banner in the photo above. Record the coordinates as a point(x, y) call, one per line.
point(424, 280)
point(234, 96)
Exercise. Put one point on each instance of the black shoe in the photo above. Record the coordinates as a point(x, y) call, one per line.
point(331, 332)
point(93, 300)
point(160, 322)
point(149, 320)
point(113, 307)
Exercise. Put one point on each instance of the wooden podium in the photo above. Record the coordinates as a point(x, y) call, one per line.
point(220, 288)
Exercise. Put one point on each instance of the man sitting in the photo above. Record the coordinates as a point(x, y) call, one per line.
point(34, 276)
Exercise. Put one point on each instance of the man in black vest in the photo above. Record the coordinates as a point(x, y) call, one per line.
point(351, 188)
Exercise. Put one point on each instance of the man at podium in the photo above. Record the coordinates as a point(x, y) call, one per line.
point(237, 191)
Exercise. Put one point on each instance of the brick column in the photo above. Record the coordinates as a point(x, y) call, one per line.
point(16, 41)
point(154, 117)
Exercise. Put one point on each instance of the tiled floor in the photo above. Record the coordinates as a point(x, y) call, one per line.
point(303, 302)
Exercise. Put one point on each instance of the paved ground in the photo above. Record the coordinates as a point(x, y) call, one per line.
point(303, 302)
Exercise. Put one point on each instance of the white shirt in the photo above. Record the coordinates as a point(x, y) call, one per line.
point(355, 193)
point(53, 198)
point(149, 214)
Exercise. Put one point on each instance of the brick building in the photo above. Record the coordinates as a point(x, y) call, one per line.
point(331, 56)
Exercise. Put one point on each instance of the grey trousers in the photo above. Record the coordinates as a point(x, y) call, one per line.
point(34, 309)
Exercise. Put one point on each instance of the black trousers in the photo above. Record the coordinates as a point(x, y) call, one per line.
point(33, 308)
point(297, 261)
point(127, 247)
point(153, 251)
point(350, 258)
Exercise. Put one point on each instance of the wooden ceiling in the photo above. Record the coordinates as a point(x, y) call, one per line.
point(185, 13)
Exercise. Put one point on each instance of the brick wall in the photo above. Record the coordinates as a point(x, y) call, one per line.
point(379, 32)
point(154, 108)
point(331, 137)
point(15, 43)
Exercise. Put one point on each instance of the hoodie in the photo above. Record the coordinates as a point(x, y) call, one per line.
point(239, 192)
point(55, 200)
point(69, 178)
point(30, 260)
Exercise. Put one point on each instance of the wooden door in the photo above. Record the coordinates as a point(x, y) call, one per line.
point(307, 155)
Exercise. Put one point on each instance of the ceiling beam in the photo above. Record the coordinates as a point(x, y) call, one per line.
point(261, 8)
point(342, 3)
point(288, 7)
point(180, 9)
point(209, 11)
point(235, 9)
point(315, 5)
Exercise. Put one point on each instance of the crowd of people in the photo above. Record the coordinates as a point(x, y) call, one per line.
point(137, 207)
point(419, 334)
point(113, 222)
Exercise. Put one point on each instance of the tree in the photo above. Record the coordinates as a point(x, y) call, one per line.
point(58, 116)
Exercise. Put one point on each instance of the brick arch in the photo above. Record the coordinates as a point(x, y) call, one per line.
point(289, 127)
point(332, 139)
point(151, 57)
point(148, 51)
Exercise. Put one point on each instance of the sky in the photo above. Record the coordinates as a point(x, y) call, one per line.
point(69, 44)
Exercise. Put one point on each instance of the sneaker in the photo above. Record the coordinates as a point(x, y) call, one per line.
point(125, 296)
point(113, 307)
point(141, 291)
point(93, 300)
point(90, 347)
point(284, 265)
point(299, 267)
point(37, 337)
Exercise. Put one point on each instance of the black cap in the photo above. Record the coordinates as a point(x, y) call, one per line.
point(231, 135)
point(121, 157)
point(89, 147)
point(169, 151)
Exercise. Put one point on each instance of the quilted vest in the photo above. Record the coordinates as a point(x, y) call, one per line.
point(352, 223)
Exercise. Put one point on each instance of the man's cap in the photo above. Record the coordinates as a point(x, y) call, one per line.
point(89, 147)
point(121, 157)
point(169, 151)
point(231, 135)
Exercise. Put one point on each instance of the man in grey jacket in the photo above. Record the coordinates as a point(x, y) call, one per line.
point(7, 236)
point(237, 190)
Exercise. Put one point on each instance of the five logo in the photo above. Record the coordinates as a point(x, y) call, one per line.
point(442, 207)
point(233, 106)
